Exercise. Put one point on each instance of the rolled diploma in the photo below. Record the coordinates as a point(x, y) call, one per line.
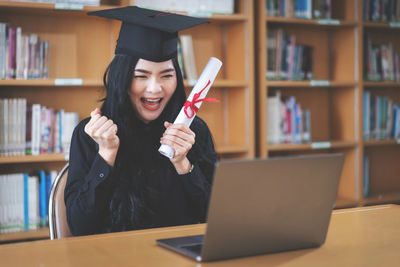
point(205, 81)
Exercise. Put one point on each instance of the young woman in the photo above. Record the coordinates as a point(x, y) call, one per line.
point(117, 179)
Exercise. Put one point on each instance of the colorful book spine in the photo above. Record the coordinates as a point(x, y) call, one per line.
point(11, 53)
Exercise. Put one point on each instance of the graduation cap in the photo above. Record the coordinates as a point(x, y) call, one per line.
point(148, 34)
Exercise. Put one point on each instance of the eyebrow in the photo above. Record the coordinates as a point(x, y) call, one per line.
point(149, 72)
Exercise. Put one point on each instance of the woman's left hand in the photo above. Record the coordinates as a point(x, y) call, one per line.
point(181, 139)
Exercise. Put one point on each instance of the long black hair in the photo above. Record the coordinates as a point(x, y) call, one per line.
point(127, 208)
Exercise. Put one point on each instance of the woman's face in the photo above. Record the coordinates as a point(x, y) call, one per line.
point(152, 86)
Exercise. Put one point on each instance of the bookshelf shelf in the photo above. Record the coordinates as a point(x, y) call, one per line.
point(35, 8)
point(381, 25)
point(33, 159)
point(323, 83)
point(52, 82)
point(385, 142)
point(222, 18)
point(229, 18)
point(224, 83)
point(393, 197)
point(325, 23)
point(312, 146)
point(382, 84)
point(342, 203)
point(42, 233)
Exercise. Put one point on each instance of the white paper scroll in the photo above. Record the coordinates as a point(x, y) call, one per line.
point(195, 99)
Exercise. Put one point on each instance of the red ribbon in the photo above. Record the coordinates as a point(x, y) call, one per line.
point(191, 104)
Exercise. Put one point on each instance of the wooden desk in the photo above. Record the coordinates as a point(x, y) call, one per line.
point(368, 236)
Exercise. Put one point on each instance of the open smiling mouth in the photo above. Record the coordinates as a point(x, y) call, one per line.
point(151, 103)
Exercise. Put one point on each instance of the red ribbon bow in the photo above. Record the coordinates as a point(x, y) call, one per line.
point(191, 104)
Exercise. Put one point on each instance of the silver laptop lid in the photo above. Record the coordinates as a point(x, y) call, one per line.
point(270, 205)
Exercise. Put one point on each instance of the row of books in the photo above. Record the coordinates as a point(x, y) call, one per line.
point(307, 9)
point(78, 2)
point(22, 56)
point(24, 200)
point(381, 10)
point(382, 62)
point(287, 121)
point(381, 117)
point(287, 60)
point(190, 6)
point(33, 129)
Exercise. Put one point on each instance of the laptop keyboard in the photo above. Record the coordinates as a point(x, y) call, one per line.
point(196, 248)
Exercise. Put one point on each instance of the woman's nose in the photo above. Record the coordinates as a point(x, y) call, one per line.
point(153, 86)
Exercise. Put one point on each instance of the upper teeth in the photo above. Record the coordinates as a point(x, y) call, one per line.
point(152, 100)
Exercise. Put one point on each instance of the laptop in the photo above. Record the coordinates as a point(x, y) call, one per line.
point(264, 206)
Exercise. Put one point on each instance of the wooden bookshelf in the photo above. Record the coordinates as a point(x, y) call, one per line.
point(381, 84)
point(312, 146)
point(33, 159)
point(82, 46)
point(42, 233)
point(336, 98)
point(389, 197)
point(223, 83)
point(75, 75)
point(319, 23)
point(390, 142)
point(313, 83)
point(37, 8)
point(229, 38)
point(381, 25)
point(383, 154)
point(330, 96)
point(342, 203)
point(51, 82)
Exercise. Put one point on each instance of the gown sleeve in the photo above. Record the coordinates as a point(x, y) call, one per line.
point(88, 184)
point(197, 183)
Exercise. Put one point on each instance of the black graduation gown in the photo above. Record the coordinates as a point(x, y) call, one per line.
point(169, 198)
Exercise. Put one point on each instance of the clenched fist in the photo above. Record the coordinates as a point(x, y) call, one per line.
point(104, 132)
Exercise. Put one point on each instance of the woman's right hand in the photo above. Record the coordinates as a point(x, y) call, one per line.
point(104, 132)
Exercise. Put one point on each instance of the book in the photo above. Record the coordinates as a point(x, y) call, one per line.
point(19, 67)
point(69, 120)
point(6, 126)
point(33, 58)
point(189, 62)
point(44, 60)
point(366, 115)
point(366, 176)
point(36, 130)
point(33, 202)
point(271, 53)
point(11, 52)
point(28, 130)
point(42, 198)
point(274, 119)
point(306, 135)
point(180, 59)
point(3, 49)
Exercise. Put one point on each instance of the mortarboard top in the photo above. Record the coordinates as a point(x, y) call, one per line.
point(148, 34)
